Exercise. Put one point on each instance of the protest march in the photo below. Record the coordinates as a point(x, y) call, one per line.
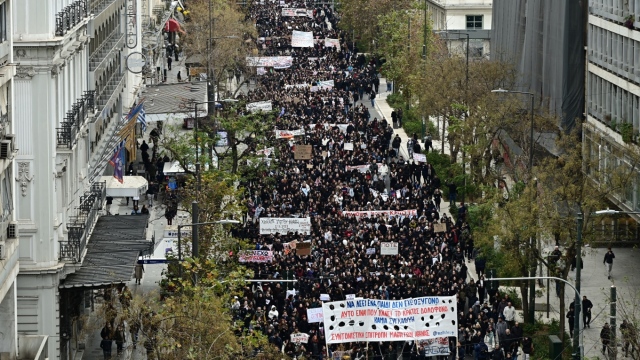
point(380, 271)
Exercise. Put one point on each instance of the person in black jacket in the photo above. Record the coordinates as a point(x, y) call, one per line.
point(605, 337)
point(608, 262)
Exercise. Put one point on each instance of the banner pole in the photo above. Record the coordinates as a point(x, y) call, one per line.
point(366, 351)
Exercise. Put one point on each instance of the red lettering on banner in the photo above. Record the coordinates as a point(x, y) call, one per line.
point(422, 333)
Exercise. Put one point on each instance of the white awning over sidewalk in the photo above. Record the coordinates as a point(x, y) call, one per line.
point(131, 186)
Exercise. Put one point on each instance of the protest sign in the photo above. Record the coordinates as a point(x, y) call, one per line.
point(435, 347)
point(294, 12)
point(325, 297)
point(332, 43)
point(439, 228)
point(303, 248)
point(314, 315)
point(261, 70)
point(266, 152)
point(264, 106)
point(303, 152)
point(277, 62)
point(255, 256)
point(327, 84)
point(361, 214)
point(285, 225)
point(371, 251)
point(420, 157)
point(390, 320)
point(388, 248)
point(348, 146)
point(288, 134)
point(301, 38)
point(299, 338)
point(350, 296)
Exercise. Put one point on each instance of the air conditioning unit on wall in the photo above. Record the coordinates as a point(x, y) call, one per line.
point(3, 250)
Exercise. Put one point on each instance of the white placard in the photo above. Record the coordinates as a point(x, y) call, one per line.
point(285, 225)
point(299, 338)
point(297, 12)
point(314, 315)
point(388, 248)
point(348, 146)
point(420, 157)
point(325, 297)
point(259, 106)
point(332, 43)
point(351, 296)
point(405, 320)
point(326, 84)
point(288, 134)
point(301, 38)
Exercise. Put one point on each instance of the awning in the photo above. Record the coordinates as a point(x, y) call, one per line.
point(112, 252)
point(172, 168)
point(172, 25)
point(131, 186)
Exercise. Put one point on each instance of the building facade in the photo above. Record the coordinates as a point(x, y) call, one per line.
point(461, 17)
point(613, 93)
point(8, 236)
point(71, 89)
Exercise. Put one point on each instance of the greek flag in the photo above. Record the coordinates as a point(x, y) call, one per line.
point(140, 115)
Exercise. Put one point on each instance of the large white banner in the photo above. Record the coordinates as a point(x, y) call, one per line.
point(361, 214)
point(326, 84)
point(297, 12)
point(301, 39)
point(390, 320)
point(259, 106)
point(277, 62)
point(285, 225)
point(288, 134)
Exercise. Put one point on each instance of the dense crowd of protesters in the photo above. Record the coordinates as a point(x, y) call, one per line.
point(356, 165)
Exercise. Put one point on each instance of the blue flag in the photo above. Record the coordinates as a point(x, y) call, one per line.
point(117, 161)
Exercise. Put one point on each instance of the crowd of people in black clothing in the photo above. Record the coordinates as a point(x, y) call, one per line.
point(355, 166)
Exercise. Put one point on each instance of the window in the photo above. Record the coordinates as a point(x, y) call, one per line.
point(3, 22)
point(474, 22)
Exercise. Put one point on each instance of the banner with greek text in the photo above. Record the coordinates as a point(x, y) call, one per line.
point(264, 106)
point(388, 248)
point(277, 62)
point(435, 347)
point(390, 320)
point(361, 214)
point(297, 12)
point(285, 225)
point(255, 256)
point(301, 39)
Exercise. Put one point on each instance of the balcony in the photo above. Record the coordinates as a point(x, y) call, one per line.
point(80, 224)
point(80, 110)
point(110, 91)
point(99, 58)
point(71, 16)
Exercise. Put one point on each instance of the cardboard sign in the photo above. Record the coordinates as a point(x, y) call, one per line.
point(389, 248)
point(439, 228)
point(303, 152)
point(303, 248)
point(314, 315)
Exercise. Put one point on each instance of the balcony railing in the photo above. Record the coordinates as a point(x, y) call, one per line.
point(115, 41)
point(97, 6)
point(71, 16)
point(109, 89)
point(66, 134)
point(80, 224)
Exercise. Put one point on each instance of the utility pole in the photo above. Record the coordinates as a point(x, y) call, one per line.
point(578, 302)
point(613, 346)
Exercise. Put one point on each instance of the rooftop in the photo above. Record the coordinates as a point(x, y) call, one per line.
point(173, 98)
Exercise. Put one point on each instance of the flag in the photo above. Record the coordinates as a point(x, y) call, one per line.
point(117, 161)
point(138, 113)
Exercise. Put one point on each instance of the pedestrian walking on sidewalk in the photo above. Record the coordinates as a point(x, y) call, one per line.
point(169, 60)
point(138, 272)
point(605, 337)
point(587, 305)
point(571, 316)
point(372, 96)
point(389, 85)
point(176, 51)
point(608, 262)
point(106, 345)
point(119, 337)
point(179, 76)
